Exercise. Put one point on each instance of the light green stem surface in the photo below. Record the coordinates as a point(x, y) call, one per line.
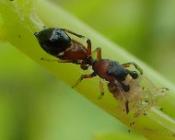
point(20, 21)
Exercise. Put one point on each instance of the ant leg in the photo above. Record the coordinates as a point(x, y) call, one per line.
point(98, 53)
point(127, 106)
point(135, 65)
point(56, 60)
point(89, 46)
point(71, 32)
point(85, 76)
point(101, 87)
point(125, 87)
point(80, 36)
point(120, 89)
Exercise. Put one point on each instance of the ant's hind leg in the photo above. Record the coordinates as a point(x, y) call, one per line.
point(56, 60)
point(101, 87)
point(85, 76)
point(135, 65)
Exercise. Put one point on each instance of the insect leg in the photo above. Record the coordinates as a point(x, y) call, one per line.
point(85, 76)
point(98, 53)
point(123, 95)
point(101, 87)
point(127, 106)
point(135, 65)
point(125, 87)
point(89, 46)
point(56, 60)
point(80, 36)
point(73, 33)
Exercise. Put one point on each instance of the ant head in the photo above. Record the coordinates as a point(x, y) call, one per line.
point(53, 40)
point(134, 74)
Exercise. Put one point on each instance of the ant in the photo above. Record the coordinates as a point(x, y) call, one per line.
point(115, 74)
point(57, 42)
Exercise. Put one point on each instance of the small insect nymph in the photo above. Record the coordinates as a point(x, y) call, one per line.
point(58, 43)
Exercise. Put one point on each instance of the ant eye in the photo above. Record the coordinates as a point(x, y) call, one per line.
point(134, 74)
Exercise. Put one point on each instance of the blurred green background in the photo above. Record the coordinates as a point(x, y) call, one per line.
point(35, 105)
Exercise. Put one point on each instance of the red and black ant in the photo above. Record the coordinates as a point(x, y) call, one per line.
point(57, 42)
point(115, 74)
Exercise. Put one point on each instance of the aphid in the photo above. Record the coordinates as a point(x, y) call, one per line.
point(58, 43)
point(116, 75)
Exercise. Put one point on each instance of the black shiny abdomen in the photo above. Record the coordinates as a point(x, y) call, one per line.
point(53, 40)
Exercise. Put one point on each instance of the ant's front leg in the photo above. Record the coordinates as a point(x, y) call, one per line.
point(98, 53)
point(135, 65)
point(85, 76)
point(89, 46)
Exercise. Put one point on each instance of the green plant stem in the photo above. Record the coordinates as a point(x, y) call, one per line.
point(20, 22)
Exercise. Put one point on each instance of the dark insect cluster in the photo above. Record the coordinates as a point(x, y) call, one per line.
point(57, 42)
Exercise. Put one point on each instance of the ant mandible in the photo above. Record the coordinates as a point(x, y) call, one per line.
point(58, 43)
